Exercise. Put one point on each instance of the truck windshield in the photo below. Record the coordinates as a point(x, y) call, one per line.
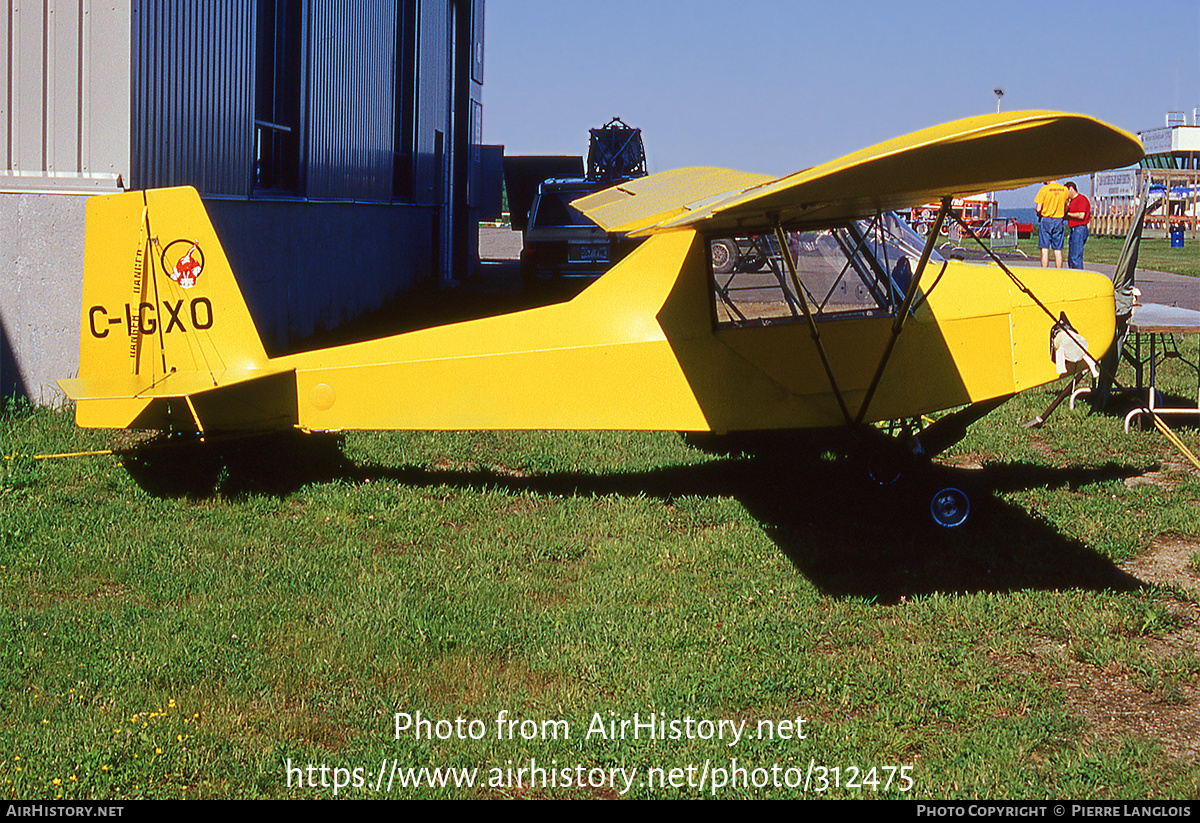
point(554, 210)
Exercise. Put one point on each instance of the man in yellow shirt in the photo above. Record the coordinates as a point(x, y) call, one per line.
point(1051, 205)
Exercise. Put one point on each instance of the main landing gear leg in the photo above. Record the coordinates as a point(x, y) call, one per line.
point(949, 506)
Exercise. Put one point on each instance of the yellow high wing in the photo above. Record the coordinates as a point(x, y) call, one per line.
point(636, 350)
point(647, 201)
point(978, 154)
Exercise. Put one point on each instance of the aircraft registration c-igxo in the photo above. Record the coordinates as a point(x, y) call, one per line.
point(831, 313)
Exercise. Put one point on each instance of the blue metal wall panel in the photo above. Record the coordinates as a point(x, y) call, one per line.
point(193, 89)
point(193, 98)
point(436, 71)
point(351, 99)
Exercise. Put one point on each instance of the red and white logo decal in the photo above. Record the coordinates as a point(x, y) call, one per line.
point(187, 268)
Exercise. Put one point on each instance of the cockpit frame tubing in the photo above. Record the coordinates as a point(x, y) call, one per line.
point(786, 253)
point(901, 315)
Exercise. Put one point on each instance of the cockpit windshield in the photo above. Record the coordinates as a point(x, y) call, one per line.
point(861, 268)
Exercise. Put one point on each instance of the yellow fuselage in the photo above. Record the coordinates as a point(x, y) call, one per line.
point(638, 349)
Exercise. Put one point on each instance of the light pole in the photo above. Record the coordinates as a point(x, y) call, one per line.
point(999, 92)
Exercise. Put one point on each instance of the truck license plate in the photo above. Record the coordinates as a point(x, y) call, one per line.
point(593, 253)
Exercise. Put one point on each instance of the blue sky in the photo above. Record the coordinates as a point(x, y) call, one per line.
point(771, 86)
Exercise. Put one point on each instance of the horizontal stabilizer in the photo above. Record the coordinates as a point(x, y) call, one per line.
point(647, 201)
point(187, 400)
point(118, 386)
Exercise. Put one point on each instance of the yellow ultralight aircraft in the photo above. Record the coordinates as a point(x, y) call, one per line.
point(754, 303)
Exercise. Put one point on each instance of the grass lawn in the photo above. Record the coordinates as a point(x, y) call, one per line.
point(615, 614)
point(1154, 254)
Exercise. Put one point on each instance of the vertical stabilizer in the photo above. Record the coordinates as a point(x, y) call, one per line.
point(162, 315)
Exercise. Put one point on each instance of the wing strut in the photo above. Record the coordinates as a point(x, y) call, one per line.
point(1162, 427)
point(786, 253)
point(902, 313)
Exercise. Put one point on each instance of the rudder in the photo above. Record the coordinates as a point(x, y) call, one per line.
point(162, 314)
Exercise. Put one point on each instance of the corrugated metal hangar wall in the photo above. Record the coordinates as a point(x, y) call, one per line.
point(332, 140)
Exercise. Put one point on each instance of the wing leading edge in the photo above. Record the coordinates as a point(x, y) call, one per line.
point(978, 154)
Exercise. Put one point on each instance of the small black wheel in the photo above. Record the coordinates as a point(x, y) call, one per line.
point(950, 508)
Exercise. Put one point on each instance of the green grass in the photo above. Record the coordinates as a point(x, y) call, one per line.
point(1154, 254)
point(194, 646)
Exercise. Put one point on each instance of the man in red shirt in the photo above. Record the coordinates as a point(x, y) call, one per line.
point(1079, 214)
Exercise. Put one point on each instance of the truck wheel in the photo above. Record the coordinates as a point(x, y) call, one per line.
point(724, 256)
point(528, 266)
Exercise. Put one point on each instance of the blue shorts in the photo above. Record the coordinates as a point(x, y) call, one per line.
point(1051, 232)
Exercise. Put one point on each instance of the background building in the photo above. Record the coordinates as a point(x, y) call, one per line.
point(1170, 170)
point(335, 143)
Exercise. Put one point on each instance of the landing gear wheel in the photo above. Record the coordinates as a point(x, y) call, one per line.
point(950, 508)
point(885, 468)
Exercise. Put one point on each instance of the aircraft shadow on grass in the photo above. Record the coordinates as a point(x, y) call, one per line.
point(843, 531)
